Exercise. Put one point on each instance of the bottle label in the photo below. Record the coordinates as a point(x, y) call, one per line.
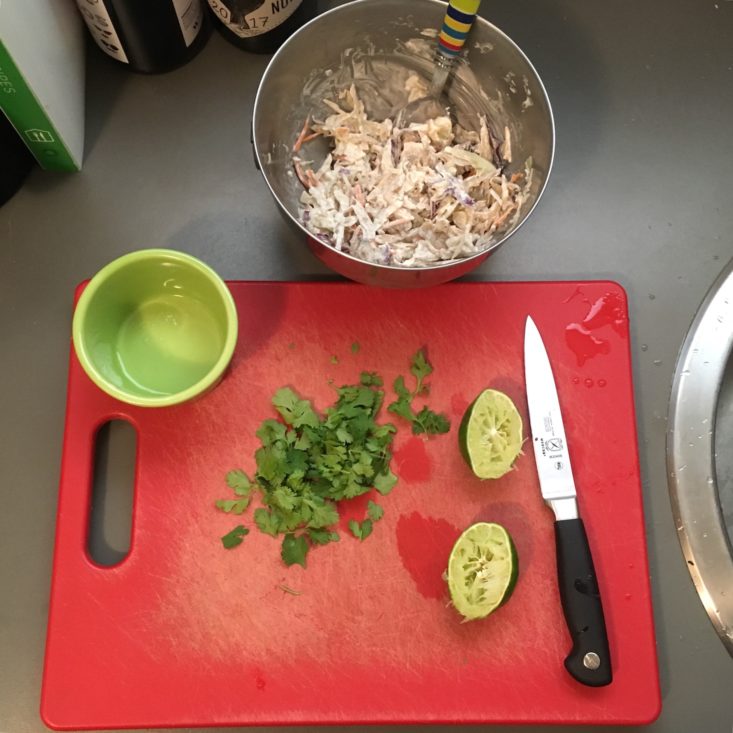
point(268, 15)
point(190, 17)
point(100, 26)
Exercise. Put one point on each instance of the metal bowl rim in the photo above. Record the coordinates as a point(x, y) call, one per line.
point(692, 473)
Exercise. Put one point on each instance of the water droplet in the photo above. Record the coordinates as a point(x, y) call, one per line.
point(710, 481)
point(576, 380)
point(657, 362)
point(704, 420)
point(627, 596)
point(704, 535)
point(692, 445)
point(631, 566)
point(683, 467)
point(685, 372)
point(602, 382)
point(672, 474)
point(644, 347)
point(588, 382)
point(652, 296)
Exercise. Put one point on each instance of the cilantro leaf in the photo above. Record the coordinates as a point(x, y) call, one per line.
point(344, 435)
point(271, 464)
point(334, 359)
point(370, 379)
point(283, 497)
point(323, 512)
point(401, 389)
point(355, 347)
point(427, 421)
point(295, 412)
point(420, 368)
point(322, 536)
point(374, 511)
point(266, 521)
point(360, 531)
point(366, 529)
point(232, 506)
point(385, 482)
point(294, 550)
point(270, 432)
point(402, 408)
point(235, 537)
point(238, 480)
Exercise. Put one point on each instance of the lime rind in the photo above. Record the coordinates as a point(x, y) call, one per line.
point(490, 435)
point(482, 570)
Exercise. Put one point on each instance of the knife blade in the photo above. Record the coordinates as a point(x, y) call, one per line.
point(589, 660)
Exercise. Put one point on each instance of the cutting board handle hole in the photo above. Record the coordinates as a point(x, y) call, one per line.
point(113, 491)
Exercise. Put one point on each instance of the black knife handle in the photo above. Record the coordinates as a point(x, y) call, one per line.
point(589, 660)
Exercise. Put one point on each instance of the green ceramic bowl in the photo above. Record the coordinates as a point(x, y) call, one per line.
point(155, 328)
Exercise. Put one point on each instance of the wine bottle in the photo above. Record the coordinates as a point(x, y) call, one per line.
point(149, 36)
point(260, 26)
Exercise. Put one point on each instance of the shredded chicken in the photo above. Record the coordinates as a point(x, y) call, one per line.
point(409, 196)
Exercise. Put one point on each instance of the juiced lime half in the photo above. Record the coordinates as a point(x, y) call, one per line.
point(482, 570)
point(490, 435)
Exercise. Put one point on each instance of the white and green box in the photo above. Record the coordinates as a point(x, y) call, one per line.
point(42, 78)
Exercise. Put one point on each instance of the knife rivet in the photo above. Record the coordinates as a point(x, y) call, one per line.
point(591, 661)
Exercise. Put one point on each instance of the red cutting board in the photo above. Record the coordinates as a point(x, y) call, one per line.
point(185, 633)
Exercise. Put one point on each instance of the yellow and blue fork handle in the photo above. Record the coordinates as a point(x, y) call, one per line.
point(456, 26)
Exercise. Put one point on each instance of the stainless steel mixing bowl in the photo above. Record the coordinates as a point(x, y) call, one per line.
point(495, 79)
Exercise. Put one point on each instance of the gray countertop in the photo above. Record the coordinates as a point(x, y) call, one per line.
point(643, 98)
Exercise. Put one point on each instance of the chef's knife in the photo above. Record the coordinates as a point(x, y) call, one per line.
point(589, 660)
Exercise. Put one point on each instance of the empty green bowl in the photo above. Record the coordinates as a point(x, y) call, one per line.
point(155, 328)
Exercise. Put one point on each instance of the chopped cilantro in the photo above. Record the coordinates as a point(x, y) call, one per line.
point(295, 412)
point(232, 506)
point(361, 530)
point(374, 511)
point(308, 462)
point(385, 482)
point(334, 359)
point(294, 550)
point(239, 481)
point(322, 536)
point(355, 347)
point(369, 379)
point(235, 537)
point(420, 368)
point(426, 421)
